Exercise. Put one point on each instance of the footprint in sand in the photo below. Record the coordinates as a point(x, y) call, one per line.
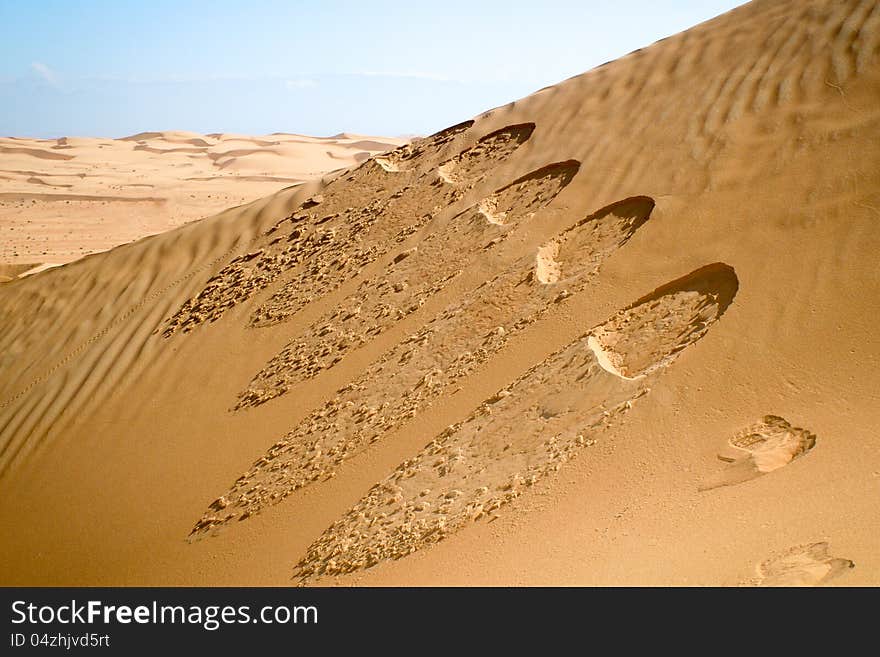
point(419, 370)
point(802, 565)
point(470, 166)
point(406, 156)
point(524, 432)
point(413, 277)
point(759, 449)
point(528, 194)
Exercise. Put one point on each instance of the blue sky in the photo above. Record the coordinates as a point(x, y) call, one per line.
point(112, 68)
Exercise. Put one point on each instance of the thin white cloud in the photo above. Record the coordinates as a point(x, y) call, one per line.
point(420, 75)
point(45, 72)
point(300, 83)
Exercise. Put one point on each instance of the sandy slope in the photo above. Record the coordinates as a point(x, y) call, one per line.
point(622, 331)
point(64, 198)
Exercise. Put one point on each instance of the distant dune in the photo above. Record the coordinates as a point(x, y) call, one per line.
point(181, 176)
point(622, 331)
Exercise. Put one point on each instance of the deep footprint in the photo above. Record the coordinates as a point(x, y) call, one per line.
point(759, 449)
point(469, 167)
point(417, 371)
point(802, 565)
point(523, 433)
point(408, 155)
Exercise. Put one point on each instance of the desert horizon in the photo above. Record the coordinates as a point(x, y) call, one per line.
point(618, 332)
point(68, 197)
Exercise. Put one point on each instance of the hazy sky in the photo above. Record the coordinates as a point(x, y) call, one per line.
point(117, 67)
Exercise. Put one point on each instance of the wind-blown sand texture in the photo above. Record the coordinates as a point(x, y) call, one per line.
point(61, 199)
point(622, 331)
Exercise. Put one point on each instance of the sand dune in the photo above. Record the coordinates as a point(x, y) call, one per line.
point(187, 175)
point(621, 331)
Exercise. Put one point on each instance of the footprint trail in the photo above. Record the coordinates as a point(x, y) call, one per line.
point(523, 433)
point(418, 370)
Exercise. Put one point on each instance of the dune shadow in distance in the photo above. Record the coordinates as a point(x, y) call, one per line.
point(34, 152)
point(524, 432)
